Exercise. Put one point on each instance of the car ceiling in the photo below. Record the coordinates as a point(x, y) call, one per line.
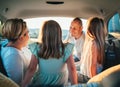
point(70, 8)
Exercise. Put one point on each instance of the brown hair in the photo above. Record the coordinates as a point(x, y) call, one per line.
point(78, 20)
point(52, 45)
point(96, 29)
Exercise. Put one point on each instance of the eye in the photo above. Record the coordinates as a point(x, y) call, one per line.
point(74, 28)
point(26, 33)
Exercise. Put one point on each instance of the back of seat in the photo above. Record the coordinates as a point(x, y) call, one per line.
point(108, 78)
point(2, 69)
point(112, 52)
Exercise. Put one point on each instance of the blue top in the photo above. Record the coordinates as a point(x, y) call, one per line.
point(51, 71)
point(15, 61)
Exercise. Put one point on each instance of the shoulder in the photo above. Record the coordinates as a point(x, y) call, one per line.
point(69, 46)
point(33, 46)
point(68, 50)
point(91, 43)
point(10, 51)
point(4, 42)
point(94, 46)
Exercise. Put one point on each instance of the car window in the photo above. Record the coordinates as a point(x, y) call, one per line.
point(114, 23)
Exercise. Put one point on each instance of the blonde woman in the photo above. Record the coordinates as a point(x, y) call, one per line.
point(93, 51)
point(13, 56)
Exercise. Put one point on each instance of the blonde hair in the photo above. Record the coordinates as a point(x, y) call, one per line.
point(97, 30)
point(13, 29)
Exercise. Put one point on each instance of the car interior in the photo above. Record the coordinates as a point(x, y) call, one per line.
point(109, 10)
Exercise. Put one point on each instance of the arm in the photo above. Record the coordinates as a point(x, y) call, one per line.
point(72, 70)
point(30, 71)
point(94, 53)
point(14, 66)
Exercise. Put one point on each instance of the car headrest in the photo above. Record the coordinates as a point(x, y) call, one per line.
point(112, 80)
point(108, 78)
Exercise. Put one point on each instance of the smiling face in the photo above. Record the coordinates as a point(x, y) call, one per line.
point(76, 29)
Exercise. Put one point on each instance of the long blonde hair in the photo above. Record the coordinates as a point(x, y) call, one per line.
point(96, 29)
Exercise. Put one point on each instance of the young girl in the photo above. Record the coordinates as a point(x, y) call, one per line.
point(93, 50)
point(53, 57)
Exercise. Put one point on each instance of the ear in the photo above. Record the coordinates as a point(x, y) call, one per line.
point(21, 38)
